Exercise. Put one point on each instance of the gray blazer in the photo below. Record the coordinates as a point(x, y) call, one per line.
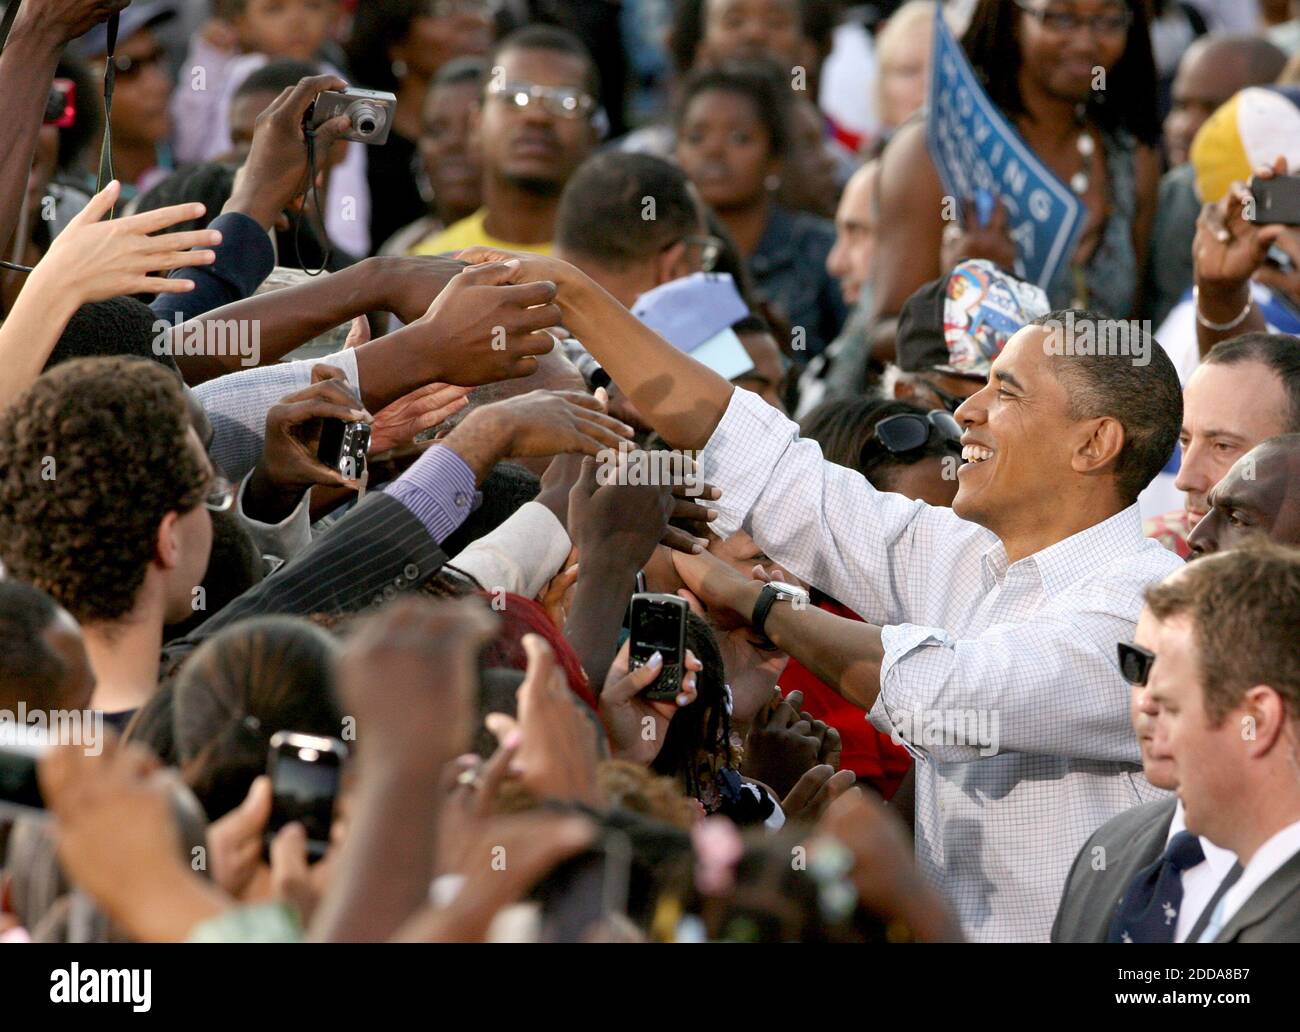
point(1131, 841)
point(1272, 914)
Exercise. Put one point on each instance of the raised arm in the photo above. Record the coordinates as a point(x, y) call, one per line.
point(679, 397)
point(40, 32)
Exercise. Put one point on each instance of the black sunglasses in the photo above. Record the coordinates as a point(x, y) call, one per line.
point(908, 431)
point(1135, 662)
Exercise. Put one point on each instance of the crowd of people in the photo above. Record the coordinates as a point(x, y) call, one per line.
point(337, 477)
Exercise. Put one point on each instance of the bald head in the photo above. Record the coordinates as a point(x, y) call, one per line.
point(1259, 495)
point(855, 232)
point(1212, 69)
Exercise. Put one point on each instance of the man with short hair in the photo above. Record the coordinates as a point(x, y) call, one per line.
point(536, 126)
point(1260, 495)
point(632, 223)
point(1010, 603)
point(850, 259)
point(1225, 678)
point(43, 662)
point(1245, 391)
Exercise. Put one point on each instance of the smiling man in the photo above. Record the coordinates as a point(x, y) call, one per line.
point(1008, 605)
point(536, 126)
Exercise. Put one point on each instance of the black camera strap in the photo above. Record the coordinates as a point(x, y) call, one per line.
point(105, 173)
point(311, 190)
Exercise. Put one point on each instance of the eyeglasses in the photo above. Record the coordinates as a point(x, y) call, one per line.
point(1134, 662)
point(908, 431)
point(561, 101)
point(1063, 20)
point(220, 495)
point(130, 67)
point(710, 250)
point(952, 402)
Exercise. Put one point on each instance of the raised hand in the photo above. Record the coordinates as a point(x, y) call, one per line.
point(275, 174)
point(783, 744)
point(398, 424)
point(636, 725)
point(539, 423)
point(68, 18)
point(288, 465)
point(557, 743)
point(1228, 248)
point(94, 260)
point(487, 325)
point(424, 656)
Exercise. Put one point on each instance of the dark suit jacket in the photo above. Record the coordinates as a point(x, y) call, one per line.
point(1272, 914)
point(1131, 840)
point(377, 550)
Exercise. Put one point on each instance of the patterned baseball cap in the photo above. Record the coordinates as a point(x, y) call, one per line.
point(959, 323)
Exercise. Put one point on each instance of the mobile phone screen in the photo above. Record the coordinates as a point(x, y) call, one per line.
point(304, 791)
point(656, 628)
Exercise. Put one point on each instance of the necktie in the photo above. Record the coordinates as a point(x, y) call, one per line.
point(1149, 909)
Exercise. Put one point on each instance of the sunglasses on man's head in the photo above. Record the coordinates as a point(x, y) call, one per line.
point(1135, 662)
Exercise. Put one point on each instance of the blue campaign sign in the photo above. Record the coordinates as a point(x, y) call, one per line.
point(978, 152)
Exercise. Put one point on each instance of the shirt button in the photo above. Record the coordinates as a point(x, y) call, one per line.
point(461, 499)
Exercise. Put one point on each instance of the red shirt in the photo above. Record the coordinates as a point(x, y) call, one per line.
point(872, 756)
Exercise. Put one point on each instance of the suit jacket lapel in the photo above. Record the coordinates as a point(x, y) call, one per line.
point(1280, 885)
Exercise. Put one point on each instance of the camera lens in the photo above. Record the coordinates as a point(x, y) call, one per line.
point(366, 119)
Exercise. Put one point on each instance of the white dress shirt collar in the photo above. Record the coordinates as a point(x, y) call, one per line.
point(1219, 859)
point(1061, 564)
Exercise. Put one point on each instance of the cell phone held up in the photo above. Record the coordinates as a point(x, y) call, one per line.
point(657, 623)
point(305, 771)
point(1276, 201)
point(371, 112)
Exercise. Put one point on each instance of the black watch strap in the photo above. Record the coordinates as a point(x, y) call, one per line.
point(766, 599)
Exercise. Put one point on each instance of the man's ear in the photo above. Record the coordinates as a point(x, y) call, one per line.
point(167, 545)
point(1099, 444)
point(1263, 722)
point(670, 263)
point(904, 389)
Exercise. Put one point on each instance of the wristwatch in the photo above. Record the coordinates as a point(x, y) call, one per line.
point(773, 592)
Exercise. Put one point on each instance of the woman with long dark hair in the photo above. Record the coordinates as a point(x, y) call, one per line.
point(1077, 80)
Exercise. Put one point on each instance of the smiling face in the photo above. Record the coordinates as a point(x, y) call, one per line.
point(1064, 64)
point(532, 146)
point(725, 149)
point(1018, 439)
point(1227, 410)
point(1260, 495)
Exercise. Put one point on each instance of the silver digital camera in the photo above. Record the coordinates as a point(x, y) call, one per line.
point(371, 113)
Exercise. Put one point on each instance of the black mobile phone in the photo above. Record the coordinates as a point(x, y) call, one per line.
point(305, 772)
point(21, 747)
point(1277, 200)
point(658, 624)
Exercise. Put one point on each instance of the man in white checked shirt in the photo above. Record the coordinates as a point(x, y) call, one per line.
point(1006, 608)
